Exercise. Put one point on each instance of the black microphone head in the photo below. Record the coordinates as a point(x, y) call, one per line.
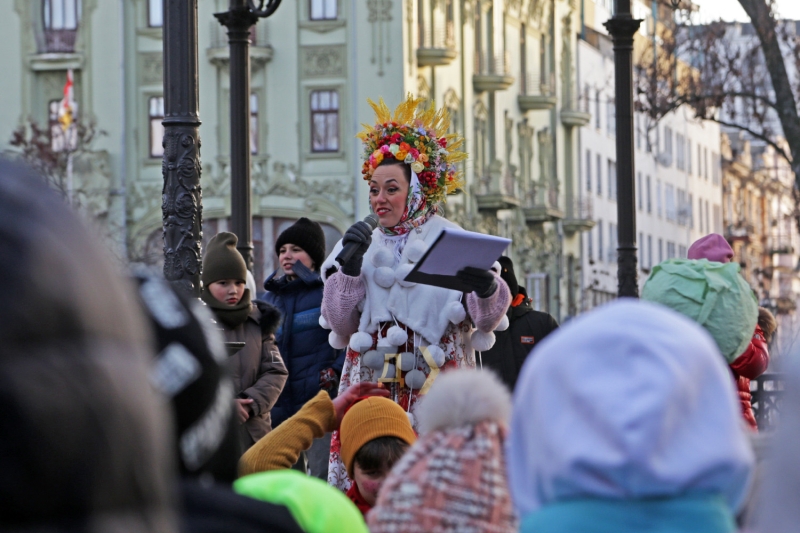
point(372, 220)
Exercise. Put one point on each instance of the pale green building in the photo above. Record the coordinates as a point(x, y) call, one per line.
point(505, 69)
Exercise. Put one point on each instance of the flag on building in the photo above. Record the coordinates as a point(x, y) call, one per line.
point(67, 111)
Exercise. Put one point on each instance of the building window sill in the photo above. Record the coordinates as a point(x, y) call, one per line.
point(56, 61)
point(322, 26)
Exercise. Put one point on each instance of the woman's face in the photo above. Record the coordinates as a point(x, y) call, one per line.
point(388, 190)
point(289, 254)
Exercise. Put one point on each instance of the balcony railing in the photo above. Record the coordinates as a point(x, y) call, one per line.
point(535, 85)
point(58, 41)
point(441, 35)
point(767, 391)
point(497, 65)
point(780, 244)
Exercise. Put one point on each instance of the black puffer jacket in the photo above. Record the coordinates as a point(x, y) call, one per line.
point(526, 328)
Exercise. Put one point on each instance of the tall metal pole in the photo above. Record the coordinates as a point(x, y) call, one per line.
point(241, 15)
point(238, 20)
point(182, 209)
point(622, 27)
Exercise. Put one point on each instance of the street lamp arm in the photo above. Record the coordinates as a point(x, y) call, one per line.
point(264, 11)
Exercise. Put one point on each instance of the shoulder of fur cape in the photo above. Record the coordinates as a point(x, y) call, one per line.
point(270, 319)
point(464, 397)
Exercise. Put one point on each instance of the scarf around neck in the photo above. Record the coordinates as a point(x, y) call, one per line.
point(230, 315)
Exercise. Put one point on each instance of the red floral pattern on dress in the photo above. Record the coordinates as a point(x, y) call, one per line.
point(457, 352)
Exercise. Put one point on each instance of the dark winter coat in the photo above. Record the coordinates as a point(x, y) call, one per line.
point(257, 369)
point(217, 509)
point(302, 341)
point(526, 328)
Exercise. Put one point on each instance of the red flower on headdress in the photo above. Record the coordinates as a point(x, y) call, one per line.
point(443, 142)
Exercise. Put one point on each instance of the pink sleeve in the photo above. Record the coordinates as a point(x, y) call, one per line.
point(487, 313)
point(340, 299)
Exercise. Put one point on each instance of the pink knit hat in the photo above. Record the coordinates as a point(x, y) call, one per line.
point(453, 479)
point(713, 247)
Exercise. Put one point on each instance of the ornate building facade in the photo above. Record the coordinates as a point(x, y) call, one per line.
point(506, 70)
point(759, 221)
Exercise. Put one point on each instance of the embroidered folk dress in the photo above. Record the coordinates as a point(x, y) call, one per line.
point(379, 299)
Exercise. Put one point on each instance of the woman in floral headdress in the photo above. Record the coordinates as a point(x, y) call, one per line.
point(398, 332)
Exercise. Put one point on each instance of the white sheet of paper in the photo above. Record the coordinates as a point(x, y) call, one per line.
point(457, 249)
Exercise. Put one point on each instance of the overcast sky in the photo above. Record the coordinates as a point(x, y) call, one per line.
point(730, 10)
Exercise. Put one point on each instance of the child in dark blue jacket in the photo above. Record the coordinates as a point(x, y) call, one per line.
point(312, 363)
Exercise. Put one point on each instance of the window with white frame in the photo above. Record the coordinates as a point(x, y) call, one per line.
point(600, 240)
point(612, 180)
point(638, 131)
point(668, 144)
point(155, 116)
point(669, 202)
point(680, 159)
point(61, 14)
point(689, 155)
point(324, 121)
point(599, 180)
point(57, 136)
point(649, 251)
point(611, 118)
point(682, 251)
point(323, 9)
point(641, 249)
point(597, 110)
point(155, 13)
point(253, 123)
point(670, 249)
point(640, 190)
point(590, 244)
point(658, 198)
point(660, 250)
point(588, 171)
point(612, 243)
point(700, 214)
point(649, 195)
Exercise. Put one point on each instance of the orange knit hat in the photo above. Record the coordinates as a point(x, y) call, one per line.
point(369, 419)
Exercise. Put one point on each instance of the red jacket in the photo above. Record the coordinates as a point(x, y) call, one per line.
point(751, 364)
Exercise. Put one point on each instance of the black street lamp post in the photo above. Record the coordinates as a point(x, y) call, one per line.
point(182, 209)
point(622, 27)
point(241, 15)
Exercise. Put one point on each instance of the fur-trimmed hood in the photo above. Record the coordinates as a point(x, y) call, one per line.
point(270, 317)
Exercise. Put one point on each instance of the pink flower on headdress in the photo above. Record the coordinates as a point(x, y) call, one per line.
point(414, 153)
point(385, 149)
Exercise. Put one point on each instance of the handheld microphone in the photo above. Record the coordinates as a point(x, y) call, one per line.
point(350, 248)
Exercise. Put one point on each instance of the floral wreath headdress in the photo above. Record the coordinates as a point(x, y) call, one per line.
point(419, 138)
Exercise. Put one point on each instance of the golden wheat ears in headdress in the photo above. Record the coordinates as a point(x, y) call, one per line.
point(433, 121)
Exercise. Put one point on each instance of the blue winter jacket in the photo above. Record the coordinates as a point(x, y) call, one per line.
point(303, 343)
